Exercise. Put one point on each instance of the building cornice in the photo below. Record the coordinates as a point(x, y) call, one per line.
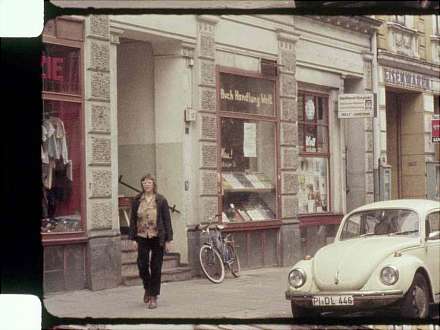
point(386, 58)
point(361, 24)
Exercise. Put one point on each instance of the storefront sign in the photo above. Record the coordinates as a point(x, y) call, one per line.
point(355, 105)
point(246, 94)
point(436, 128)
point(52, 68)
point(406, 79)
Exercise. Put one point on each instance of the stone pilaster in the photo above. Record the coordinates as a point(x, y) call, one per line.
point(206, 116)
point(368, 129)
point(288, 124)
point(291, 249)
point(104, 242)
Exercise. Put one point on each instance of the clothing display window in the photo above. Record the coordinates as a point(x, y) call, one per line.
point(60, 66)
point(248, 158)
point(313, 137)
point(61, 140)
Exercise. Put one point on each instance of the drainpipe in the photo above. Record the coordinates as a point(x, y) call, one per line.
point(376, 120)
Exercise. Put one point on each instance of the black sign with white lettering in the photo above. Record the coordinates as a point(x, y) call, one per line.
point(246, 94)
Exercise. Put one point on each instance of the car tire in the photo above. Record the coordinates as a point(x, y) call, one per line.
point(302, 313)
point(415, 304)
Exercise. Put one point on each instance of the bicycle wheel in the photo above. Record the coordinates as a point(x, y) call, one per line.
point(233, 262)
point(211, 264)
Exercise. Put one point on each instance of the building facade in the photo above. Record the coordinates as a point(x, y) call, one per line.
point(408, 90)
point(241, 124)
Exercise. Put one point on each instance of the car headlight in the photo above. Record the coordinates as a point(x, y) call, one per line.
point(297, 277)
point(389, 275)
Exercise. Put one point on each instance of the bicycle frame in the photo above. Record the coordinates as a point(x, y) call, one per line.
point(224, 240)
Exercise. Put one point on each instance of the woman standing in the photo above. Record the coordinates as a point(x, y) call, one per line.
point(151, 231)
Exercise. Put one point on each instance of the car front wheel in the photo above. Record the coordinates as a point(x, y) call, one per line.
point(415, 304)
point(300, 312)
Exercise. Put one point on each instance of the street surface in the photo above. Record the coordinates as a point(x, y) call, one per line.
point(256, 294)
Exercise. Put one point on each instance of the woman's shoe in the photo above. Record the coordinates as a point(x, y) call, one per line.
point(153, 302)
point(146, 297)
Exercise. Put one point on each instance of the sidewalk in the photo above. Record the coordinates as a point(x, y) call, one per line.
point(255, 294)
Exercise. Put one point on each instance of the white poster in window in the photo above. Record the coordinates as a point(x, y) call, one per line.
point(249, 140)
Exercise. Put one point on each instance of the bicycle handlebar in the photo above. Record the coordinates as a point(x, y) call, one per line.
point(211, 219)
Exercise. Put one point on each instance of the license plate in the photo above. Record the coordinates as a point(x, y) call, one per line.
point(344, 300)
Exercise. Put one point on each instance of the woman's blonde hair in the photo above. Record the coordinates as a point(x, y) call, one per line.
point(149, 177)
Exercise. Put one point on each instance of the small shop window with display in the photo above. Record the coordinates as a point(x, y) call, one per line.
point(313, 137)
point(61, 140)
point(247, 150)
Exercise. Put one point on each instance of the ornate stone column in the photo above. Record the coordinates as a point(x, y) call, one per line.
point(288, 150)
point(104, 262)
point(368, 132)
point(206, 118)
point(204, 134)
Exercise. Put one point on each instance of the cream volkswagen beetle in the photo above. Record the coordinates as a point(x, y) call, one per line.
point(384, 254)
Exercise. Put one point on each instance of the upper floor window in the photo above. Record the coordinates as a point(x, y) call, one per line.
point(405, 20)
point(399, 19)
point(436, 24)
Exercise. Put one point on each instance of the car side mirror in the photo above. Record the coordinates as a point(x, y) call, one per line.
point(434, 235)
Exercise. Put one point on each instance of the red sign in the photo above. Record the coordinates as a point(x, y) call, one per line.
point(436, 128)
point(52, 68)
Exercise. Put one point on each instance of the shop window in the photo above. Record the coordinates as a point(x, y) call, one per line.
point(248, 148)
point(61, 142)
point(60, 65)
point(313, 139)
point(248, 170)
point(61, 166)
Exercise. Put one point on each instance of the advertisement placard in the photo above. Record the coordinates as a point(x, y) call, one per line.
point(355, 105)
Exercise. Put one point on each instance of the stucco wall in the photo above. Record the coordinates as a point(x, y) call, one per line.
point(329, 48)
point(171, 93)
point(136, 129)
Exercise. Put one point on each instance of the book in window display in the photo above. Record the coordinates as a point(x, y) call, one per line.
point(243, 180)
point(240, 181)
point(232, 181)
point(244, 215)
point(256, 183)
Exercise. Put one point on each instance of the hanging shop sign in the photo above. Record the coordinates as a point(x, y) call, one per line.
point(406, 79)
point(246, 94)
point(356, 105)
point(436, 128)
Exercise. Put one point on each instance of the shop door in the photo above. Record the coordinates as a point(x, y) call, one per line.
point(393, 142)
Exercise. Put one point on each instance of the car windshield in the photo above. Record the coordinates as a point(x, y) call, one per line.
point(392, 222)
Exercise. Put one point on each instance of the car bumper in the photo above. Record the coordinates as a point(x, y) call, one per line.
point(364, 299)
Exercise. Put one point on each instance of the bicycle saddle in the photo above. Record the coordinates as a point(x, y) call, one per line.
point(220, 227)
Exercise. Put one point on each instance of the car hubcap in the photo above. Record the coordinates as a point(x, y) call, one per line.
point(420, 301)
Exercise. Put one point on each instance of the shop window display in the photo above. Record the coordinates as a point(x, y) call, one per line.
point(248, 159)
point(313, 178)
point(61, 140)
point(248, 170)
point(60, 66)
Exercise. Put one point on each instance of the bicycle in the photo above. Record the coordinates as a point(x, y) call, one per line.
point(218, 253)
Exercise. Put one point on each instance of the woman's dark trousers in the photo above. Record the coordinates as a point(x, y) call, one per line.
point(150, 266)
